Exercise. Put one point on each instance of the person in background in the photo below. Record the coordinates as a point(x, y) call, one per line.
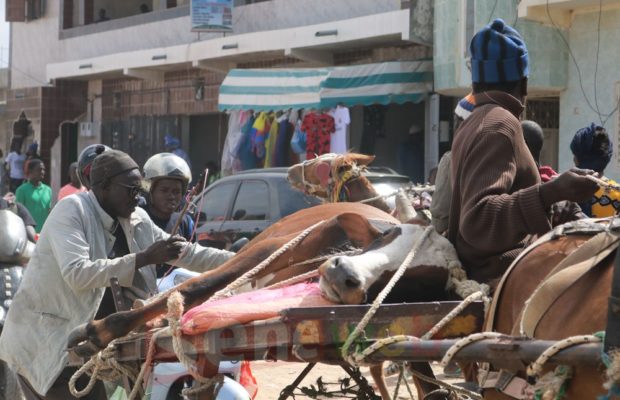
point(167, 176)
point(499, 204)
point(440, 203)
point(8, 203)
point(173, 145)
point(2, 174)
point(35, 195)
point(15, 162)
point(88, 239)
point(31, 154)
point(592, 149)
point(563, 211)
point(534, 139)
point(74, 185)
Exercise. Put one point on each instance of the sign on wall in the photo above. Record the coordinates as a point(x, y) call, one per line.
point(211, 15)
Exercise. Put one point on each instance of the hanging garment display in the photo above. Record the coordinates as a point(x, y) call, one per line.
point(342, 119)
point(319, 128)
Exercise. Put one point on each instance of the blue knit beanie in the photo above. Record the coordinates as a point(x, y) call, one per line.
point(498, 54)
point(591, 155)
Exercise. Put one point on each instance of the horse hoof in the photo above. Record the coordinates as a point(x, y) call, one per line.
point(85, 349)
point(439, 394)
point(77, 336)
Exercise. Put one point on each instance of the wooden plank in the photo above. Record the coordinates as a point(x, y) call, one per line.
point(317, 332)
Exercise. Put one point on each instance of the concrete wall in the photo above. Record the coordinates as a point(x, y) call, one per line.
point(575, 112)
point(280, 14)
point(38, 43)
point(548, 55)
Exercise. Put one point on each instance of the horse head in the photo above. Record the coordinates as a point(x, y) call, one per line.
point(349, 279)
point(325, 175)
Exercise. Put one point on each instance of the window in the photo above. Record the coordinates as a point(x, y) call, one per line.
point(215, 202)
point(15, 10)
point(252, 202)
point(292, 200)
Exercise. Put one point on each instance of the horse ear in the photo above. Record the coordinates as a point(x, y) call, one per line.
point(361, 159)
point(358, 229)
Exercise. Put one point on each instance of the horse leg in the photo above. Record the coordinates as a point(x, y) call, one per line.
point(376, 371)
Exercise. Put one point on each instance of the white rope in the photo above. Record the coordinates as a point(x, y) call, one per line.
point(535, 368)
point(382, 295)
point(467, 340)
point(247, 277)
point(295, 279)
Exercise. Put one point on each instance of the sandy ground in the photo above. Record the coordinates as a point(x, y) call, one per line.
point(272, 377)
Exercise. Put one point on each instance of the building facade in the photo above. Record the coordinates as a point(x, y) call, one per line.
point(133, 77)
point(573, 65)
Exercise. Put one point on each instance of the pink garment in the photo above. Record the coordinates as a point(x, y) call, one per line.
point(251, 306)
point(69, 189)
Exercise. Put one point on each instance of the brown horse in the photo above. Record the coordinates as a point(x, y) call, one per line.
point(346, 225)
point(579, 310)
point(336, 178)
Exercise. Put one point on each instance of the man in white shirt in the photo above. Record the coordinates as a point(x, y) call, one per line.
point(15, 160)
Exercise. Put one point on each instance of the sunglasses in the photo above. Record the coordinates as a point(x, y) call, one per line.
point(134, 190)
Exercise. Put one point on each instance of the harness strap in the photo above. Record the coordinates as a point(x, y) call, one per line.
point(563, 276)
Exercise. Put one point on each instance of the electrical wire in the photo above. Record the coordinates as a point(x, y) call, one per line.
point(594, 108)
point(492, 12)
point(598, 47)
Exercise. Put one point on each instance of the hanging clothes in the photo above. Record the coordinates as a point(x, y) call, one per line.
point(282, 148)
point(270, 143)
point(318, 128)
point(342, 119)
point(246, 155)
point(259, 130)
point(234, 136)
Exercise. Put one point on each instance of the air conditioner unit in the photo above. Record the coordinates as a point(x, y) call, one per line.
point(90, 129)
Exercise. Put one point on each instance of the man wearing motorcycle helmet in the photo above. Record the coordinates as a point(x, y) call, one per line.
point(85, 161)
point(166, 176)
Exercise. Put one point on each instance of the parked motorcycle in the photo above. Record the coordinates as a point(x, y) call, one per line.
point(15, 251)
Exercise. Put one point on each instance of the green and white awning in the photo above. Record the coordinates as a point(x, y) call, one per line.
point(281, 89)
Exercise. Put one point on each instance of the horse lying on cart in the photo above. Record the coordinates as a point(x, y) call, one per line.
point(580, 308)
point(431, 277)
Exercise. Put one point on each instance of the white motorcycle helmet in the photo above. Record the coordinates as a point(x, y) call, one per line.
point(14, 246)
point(166, 166)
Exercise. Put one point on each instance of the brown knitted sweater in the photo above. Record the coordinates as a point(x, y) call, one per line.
point(496, 204)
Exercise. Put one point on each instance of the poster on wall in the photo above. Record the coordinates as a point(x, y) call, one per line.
point(211, 15)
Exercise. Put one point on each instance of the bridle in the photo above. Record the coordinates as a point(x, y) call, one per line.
point(336, 181)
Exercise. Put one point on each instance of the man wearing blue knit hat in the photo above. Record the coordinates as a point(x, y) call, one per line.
point(498, 203)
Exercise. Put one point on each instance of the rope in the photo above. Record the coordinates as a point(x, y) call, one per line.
point(247, 277)
point(359, 357)
point(382, 295)
point(535, 369)
point(103, 366)
point(295, 279)
point(456, 347)
point(468, 394)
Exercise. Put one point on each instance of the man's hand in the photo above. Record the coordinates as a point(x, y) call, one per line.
point(161, 251)
point(571, 185)
point(565, 211)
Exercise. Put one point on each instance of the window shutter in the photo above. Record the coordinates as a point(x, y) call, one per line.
point(15, 10)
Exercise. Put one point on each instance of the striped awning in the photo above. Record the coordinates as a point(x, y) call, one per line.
point(281, 89)
point(271, 89)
